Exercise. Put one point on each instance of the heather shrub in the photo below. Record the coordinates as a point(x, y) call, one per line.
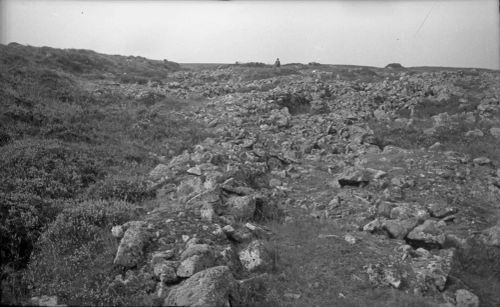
point(133, 189)
point(73, 258)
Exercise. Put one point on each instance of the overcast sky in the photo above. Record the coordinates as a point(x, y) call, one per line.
point(458, 33)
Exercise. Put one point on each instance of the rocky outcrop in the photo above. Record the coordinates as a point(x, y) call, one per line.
point(214, 287)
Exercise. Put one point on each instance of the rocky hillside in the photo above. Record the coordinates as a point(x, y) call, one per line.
point(313, 185)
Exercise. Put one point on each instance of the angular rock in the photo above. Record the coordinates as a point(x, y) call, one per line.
point(255, 256)
point(465, 298)
point(159, 172)
point(432, 271)
point(130, 250)
point(240, 234)
point(196, 170)
point(440, 209)
point(474, 133)
point(399, 228)
point(481, 161)
point(117, 231)
point(241, 207)
point(409, 210)
point(213, 287)
point(491, 236)
point(45, 300)
point(194, 264)
point(429, 234)
point(207, 212)
point(373, 226)
point(196, 249)
point(495, 131)
point(354, 177)
point(189, 186)
point(161, 255)
point(166, 271)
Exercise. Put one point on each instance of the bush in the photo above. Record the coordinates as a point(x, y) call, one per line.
point(47, 168)
point(126, 189)
point(73, 257)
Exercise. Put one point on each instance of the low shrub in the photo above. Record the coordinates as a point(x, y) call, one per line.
point(127, 189)
point(73, 257)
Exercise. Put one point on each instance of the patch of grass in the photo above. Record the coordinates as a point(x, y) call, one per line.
point(73, 257)
point(328, 271)
point(477, 268)
point(451, 137)
point(60, 143)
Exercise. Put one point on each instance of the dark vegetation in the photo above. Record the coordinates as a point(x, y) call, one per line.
point(71, 165)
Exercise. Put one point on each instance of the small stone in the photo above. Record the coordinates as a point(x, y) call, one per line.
point(474, 133)
point(196, 249)
point(196, 170)
point(373, 226)
point(440, 210)
point(465, 298)
point(495, 131)
point(194, 264)
point(491, 236)
point(166, 271)
point(274, 182)
point(207, 212)
point(162, 255)
point(117, 231)
point(293, 296)
point(45, 300)
point(350, 239)
point(481, 161)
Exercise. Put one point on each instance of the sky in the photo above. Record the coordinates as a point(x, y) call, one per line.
point(454, 33)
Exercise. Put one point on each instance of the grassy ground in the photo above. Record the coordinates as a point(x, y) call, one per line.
point(65, 147)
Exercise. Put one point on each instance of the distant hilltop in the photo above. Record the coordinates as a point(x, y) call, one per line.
point(81, 61)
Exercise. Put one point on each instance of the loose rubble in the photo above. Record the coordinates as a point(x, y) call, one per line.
point(298, 144)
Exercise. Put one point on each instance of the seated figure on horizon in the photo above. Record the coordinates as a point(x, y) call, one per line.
point(277, 63)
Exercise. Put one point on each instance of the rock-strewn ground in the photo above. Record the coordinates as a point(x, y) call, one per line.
point(297, 192)
point(317, 186)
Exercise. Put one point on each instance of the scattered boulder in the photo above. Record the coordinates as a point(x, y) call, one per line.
point(255, 256)
point(241, 207)
point(429, 234)
point(130, 250)
point(399, 228)
point(353, 177)
point(212, 287)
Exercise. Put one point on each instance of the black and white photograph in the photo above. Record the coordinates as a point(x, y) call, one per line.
point(240, 153)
